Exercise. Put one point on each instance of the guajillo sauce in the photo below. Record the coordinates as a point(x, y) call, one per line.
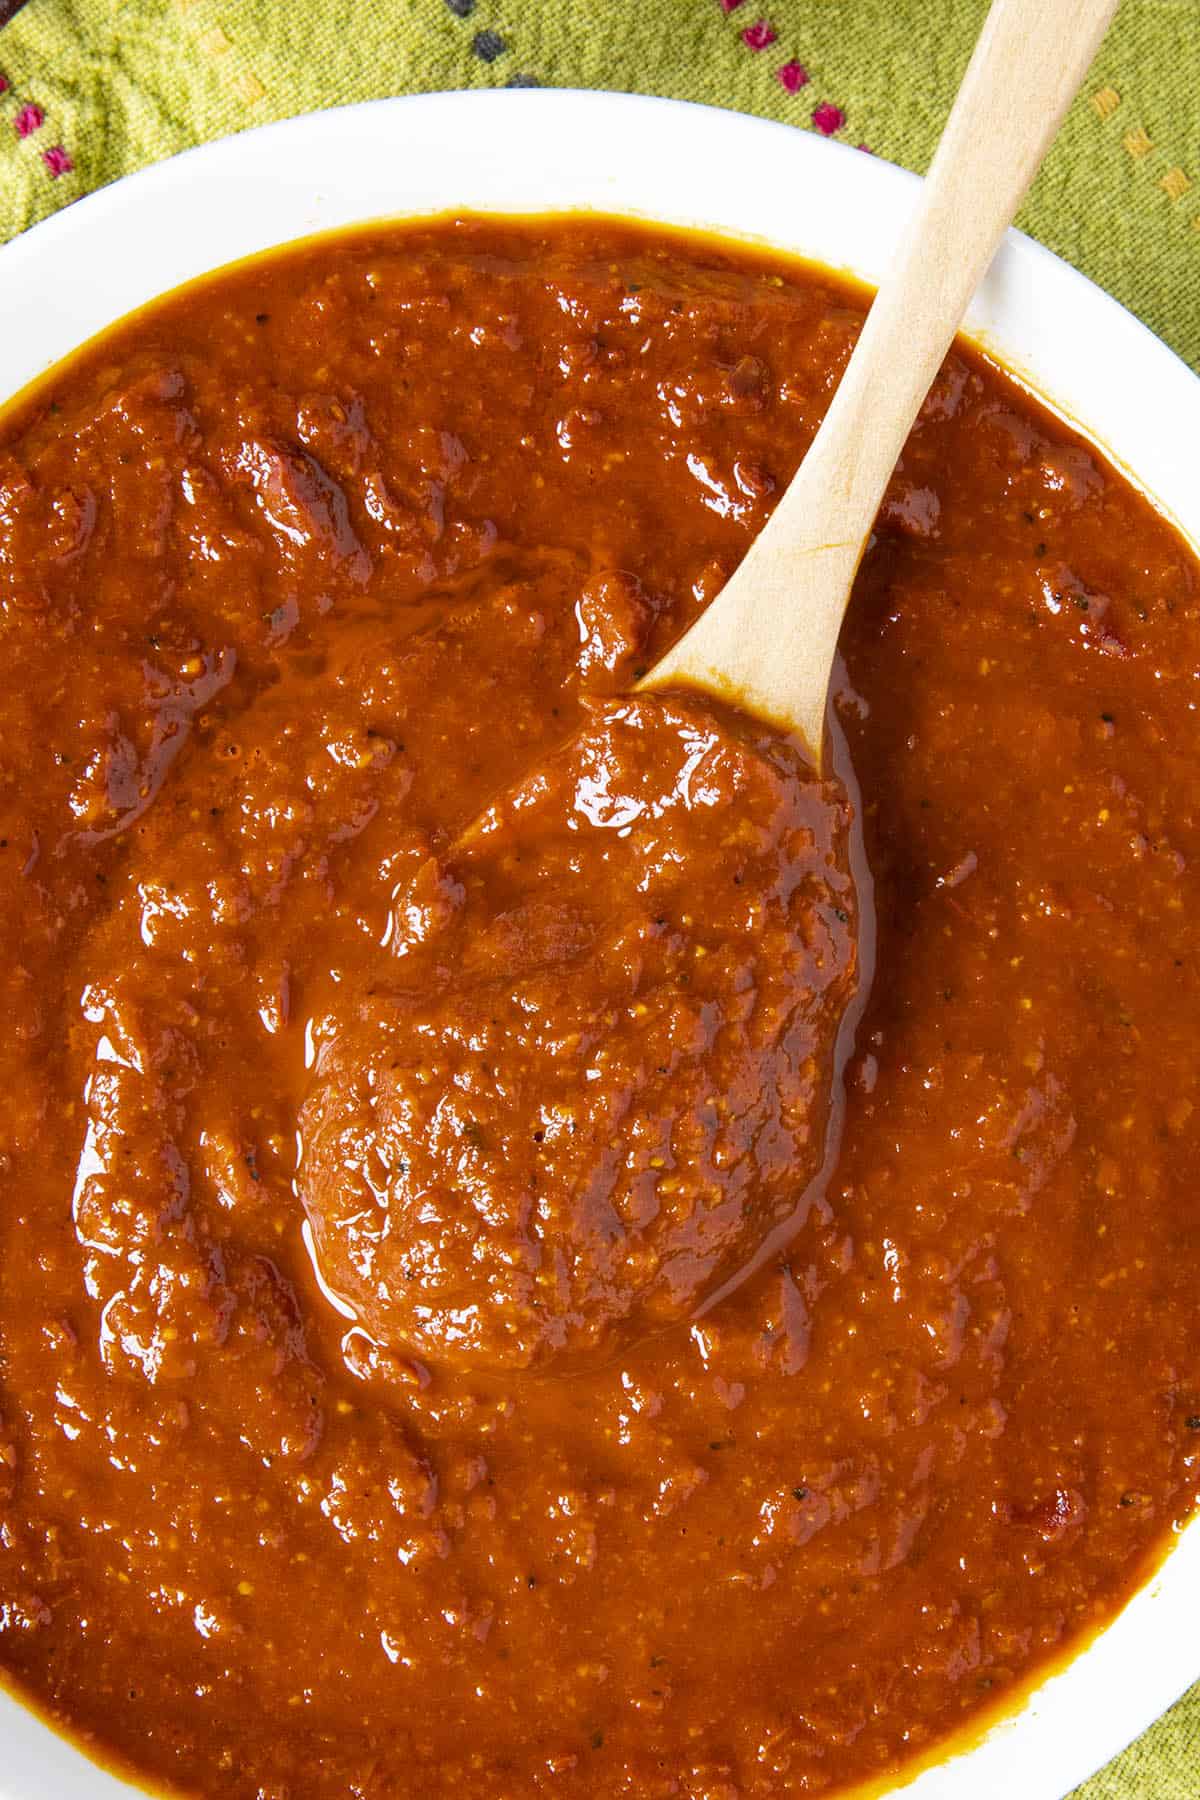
point(303, 571)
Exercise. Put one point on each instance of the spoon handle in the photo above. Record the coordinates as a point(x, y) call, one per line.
point(769, 639)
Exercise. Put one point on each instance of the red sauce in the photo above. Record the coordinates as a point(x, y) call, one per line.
point(739, 1394)
point(601, 1073)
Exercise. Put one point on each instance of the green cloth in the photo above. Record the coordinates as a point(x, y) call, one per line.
point(106, 85)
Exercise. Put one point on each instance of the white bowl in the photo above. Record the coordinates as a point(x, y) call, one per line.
point(538, 151)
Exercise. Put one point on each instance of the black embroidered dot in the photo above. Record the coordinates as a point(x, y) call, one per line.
point(488, 45)
point(462, 9)
point(523, 81)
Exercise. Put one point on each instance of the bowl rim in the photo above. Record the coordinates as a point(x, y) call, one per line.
point(1076, 348)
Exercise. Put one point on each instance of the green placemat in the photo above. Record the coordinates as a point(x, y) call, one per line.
point(94, 88)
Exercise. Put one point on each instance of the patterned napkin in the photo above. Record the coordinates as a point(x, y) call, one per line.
point(90, 89)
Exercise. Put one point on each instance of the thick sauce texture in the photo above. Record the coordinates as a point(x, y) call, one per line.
point(577, 1105)
point(470, 1322)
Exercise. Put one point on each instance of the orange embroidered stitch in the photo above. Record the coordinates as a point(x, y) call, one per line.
point(1138, 141)
point(215, 42)
point(1106, 101)
point(1175, 183)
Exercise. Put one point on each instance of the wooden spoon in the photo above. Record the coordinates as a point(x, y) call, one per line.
point(768, 641)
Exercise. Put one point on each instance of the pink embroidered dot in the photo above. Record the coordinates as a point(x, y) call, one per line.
point(3, 84)
point(57, 161)
point(757, 37)
point(728, 6)
point(28, 120)
point(794, 76)
point(828, 118)
point(865, 148)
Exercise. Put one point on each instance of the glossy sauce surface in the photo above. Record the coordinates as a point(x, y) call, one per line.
point(300, 575)
point(600, 1075)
